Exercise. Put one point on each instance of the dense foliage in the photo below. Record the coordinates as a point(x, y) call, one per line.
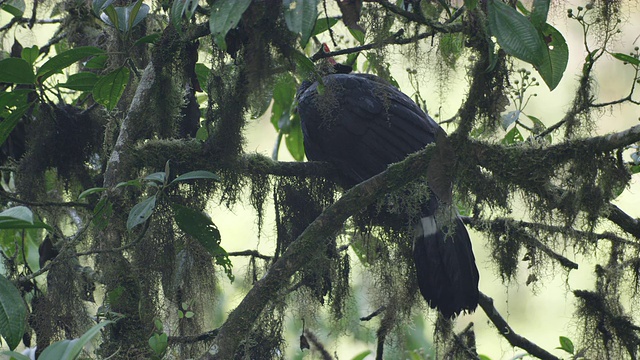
point(121, 129)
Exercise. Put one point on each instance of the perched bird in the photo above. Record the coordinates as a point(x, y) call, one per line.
point(362, 124)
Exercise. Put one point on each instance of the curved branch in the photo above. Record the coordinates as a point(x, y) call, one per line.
point(486, 303)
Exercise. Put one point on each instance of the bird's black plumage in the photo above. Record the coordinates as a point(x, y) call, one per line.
point(362, 124)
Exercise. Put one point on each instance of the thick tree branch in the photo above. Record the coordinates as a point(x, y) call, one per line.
point(307, 246)
point(137, 109)
point(486, 303)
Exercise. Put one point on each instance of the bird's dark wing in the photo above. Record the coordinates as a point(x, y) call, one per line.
point(361, 124)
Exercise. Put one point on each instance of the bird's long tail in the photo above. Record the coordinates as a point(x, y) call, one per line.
point(445, 265)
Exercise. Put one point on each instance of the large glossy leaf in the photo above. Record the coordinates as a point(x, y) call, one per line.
point(158, 177)
point(515, 33)
point(125, 18)
point(141, 212)
point(10, 122)
point(626, 58)
point(12, 355)
point(294, 140)
point(108, 90)
point(14, 7)
point(16, 71)
point(304, 66)
point(283, 93)
point(539, 12)
point(182, 8)
point(13, 313)
point(21, 213)
point(20, 217)
point(82, 81)
point(71, 349)
point(324, 24)
point(195, 175)
point(225, 15)
point(30, 54)
point(556, 57)
point(198, 225)
point(300, 16)
point(102, 213)
point(98, 6)
point(64, 60)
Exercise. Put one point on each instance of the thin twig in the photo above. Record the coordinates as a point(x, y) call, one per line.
point(486, 303)
point(253, 253)
point(374, 314)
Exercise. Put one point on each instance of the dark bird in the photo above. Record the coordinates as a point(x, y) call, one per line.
point(362, 124)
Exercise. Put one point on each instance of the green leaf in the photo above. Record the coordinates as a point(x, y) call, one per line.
point(515, 33)
point(202, 73)
point(362, 355)
point(82, 81)
point(158, 177)
point(102, 213)
point(634, 169)
point(554, 63)
point(284, 92)
point(470, 4)
point(358, 35)
point(141, 212)
point(134, 182)
point(158, 343)
point(71, 349)
point(566, 344)
point(304, 66)
point(13, 99)
point(539, 12)
point(182, 8)
point(10, 122)
point(202, 134)
point(300, 16)
point(13, 313)
point(98, 6)
point(90, 191)
point(12, 355)
point(198, 225)
point(125, 18)
point(484, 357)
point(294, 139)
point(323, 25)
point(14, 7)
point(225, 15)
point(198, 174)
point(620, 56)
point(97, 62)
point(30, 54)
point(64, 60)
point(108, 90)
point(514, 136)
point(16, 71)
point(21, 213)
point(149, 39)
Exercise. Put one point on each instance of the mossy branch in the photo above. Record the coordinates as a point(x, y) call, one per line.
point(308, 245)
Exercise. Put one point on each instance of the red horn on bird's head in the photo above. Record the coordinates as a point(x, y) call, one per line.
point(337, 67)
